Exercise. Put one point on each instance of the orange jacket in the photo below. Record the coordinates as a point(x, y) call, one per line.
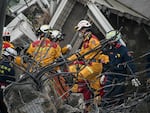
point(44, 51)
point(7, 44)
point(90, 43)
point(65, 49)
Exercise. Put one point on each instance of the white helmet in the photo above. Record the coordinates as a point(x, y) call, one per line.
point(83, 24)
point(9, 52)
point(56, 35)
point(6, 32)
point(45, 28)
point(113, 34)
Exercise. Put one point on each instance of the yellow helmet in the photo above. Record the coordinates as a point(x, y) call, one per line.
point(114, 35)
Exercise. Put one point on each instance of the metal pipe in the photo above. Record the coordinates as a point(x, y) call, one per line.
point(53, 6)
point(101, 19)
point(57, 13)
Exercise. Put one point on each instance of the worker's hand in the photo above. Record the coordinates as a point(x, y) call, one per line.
point(102, 79)
point(60, 59)
point(104, 58)
point(81, 103)
point(69, 46)
point(135, 82)
point(3, 87)
point(97, 100)
point(21, 76)
point(58, 71)
point(25, 59)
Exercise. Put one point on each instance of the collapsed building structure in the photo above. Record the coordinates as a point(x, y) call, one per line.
point(24, 18)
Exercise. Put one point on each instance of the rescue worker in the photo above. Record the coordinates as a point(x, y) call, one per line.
point(47, 49)
point(37, 47)
point(6, 39)
point(34, 48)
point(89, 70)
point(7, 73)
point(61, 87)
point(120, 59)
point(41, 48)
point(40, 33)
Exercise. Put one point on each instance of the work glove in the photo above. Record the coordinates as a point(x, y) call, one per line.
point(60, 59)
point(97, 100)
point(2, 87)
point(58, 71)
point(104, 58)
point(21, 76)
point(135, 82)
point(27, 58)
point(102, 79)
point(69, 46)
point(82, 104)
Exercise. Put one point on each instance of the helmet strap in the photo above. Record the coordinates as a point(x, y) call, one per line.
point(87, 35)
point(6, 38)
